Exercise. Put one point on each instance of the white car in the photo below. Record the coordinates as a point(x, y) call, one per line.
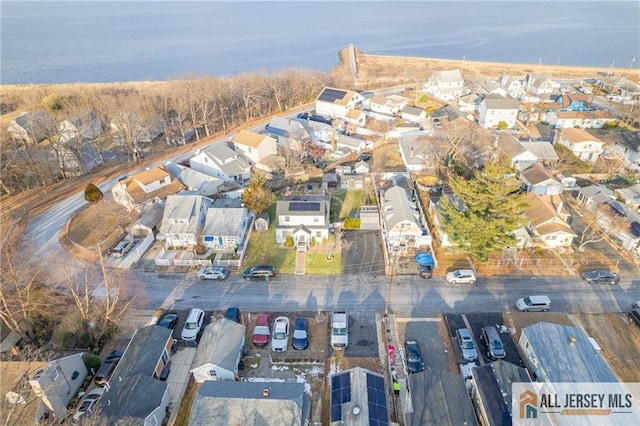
point(213, 273)
point(193, 324)
point(280, 338)
point(87, 403)
point(461, 276)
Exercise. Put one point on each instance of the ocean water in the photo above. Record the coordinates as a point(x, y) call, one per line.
point(64, 42)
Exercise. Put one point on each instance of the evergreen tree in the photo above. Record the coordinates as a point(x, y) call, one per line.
point(488, 212)
point(93, 194)
point(256, 196)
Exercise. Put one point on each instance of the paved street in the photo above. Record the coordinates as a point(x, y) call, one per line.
point(410, 295)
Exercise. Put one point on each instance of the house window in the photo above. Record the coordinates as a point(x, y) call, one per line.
point(55, 373)
point(249, 150)
point(165, 357)
point(318, 234)
point(286, 218)
point(153, 421)
point(316, 219)
point(162, 180)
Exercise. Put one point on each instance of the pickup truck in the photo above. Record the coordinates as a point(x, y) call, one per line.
point(339, 330)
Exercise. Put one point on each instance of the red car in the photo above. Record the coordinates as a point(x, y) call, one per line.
point(262, 330)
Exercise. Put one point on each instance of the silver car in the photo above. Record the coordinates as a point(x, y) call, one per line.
point(213, 273)
point(461, 276)
point(467, 347)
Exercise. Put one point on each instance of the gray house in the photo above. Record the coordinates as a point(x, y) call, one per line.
point(184, 216)
point(221, 161)
point(226, 224)
point(32, 127)
point(536, 179)
point(219, 351)
point(250, 403)
point(135, 395)
point(448, 399)
point(561, 353)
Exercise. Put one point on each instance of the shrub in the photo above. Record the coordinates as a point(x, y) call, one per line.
point(351, 223)
point(289, 241)
point(92, 362)
point(313, 241)
point(92, 194)
point(502, 125)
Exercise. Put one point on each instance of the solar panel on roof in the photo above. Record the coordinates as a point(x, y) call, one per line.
point(340, 393)
point(304, 207)
point(331, 95)
point(377, 401)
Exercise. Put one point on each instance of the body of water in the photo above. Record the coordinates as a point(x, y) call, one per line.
point(65, 42)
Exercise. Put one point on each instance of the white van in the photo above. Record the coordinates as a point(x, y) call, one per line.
point(339, 330)
point(533, 303)
point(193, 324)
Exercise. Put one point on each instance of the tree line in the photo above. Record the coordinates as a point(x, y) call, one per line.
point(195, 107)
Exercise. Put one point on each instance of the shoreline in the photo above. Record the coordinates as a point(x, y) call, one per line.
point(401, 63)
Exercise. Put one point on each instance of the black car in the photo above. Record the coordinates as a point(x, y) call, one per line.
point(259, 271)
point(233, 314)
point(364, 157)
point(634, 316)
point(114, 356)
point(600, 277)
point(168, 321)
point(635, 229)
point(414, 358)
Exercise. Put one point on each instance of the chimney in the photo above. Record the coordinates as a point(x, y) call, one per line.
point(571, 340)
point(265, 392)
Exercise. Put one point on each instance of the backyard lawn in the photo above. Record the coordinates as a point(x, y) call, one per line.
point(344, 202)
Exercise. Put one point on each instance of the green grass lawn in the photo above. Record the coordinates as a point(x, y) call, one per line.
point(323, 264)
point(343, 202)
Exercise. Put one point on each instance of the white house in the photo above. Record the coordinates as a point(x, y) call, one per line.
point(536, 178)
point(495, 109)
point(32, 127)
point(445, 85)
point(416, 154)
point(630, 196)
point(403, 225)
point(413, 114)
point(218, 160)
point(581, 143)
point(336, 103)
point(183, 219)
point(515, 86)
point(289, 133)
point(219, 351)
point(303, 218)
point(547, 222)
point(582, 119)
point(78, 159)
point(628, 150)
point(469, 103)
point(85, 125)
point(389, 105)
point(198, 182)
point(226, 224)
point(356, 116)
point(135, 190)
point(254, 146)
point(352, 181)
point(538, 84)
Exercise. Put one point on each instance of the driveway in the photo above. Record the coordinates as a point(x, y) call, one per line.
point(362, 252)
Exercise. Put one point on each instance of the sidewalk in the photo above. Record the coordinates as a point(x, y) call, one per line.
point(178, 379)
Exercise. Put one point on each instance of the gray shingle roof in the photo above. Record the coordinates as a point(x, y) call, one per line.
point(219, 344)
point(398, 207)
point(495, 101)
point(243, 403)
point(224, 218)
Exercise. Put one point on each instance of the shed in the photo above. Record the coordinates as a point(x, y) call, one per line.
point(262, 222)
point(219, 352)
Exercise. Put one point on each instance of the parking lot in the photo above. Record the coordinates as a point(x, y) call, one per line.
point(362, 252)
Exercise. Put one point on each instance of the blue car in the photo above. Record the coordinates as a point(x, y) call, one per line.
point(300, 333)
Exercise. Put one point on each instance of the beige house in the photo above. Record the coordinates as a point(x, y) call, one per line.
point(336, 103)
point(547, 223)
point(581, 143)
point(254, 146)
point(136, 190)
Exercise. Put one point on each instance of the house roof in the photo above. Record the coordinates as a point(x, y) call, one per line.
point(495, 101)
point(447, 76)
point(303, 206)
point(248, 138)
point(226, 159)
point(630, 194)
point(15, 376)
point(354, 113)
point(151, 175)
point(449, 402)
point(415, 151)
point(542, 150)
point(585, 115)
point(493, 383)
point(144, 351)
point(622, 83)
point(543, 209)
point(224, 218)
point(411, 110)
point(598, 193)
point(563, 361)
point(578, 135)
point(536, 174)
point(181, 206)
point(219, 345)
point(397, 207)
point(194, 180)
point(129, 401)
point(359, 388)
point(139, 195)
point(234, 403)
point(509, 145)
point(336, 96)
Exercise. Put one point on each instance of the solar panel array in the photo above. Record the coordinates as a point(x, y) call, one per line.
point(304, 207)
point(340, 393)
point(377, 398)
point(331, 95)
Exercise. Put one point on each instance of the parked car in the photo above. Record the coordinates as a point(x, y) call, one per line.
point(114, 356)
point(636, 304)
point(467, 347)
point(193, 324)
point(233, 314)
point(600, 276)
point(425, 271)
point(168, 321)
point(280, 338)
point(414, 357)
point(365, 156)
point(635, 229)
point(533, 303)
point(103, 375)
point(122, 248)
point(492, 338)
point(339, 330)
point(466, 276)
point(259, 271)
point(634, 316)
point(213, 273)
point(300, 338)
point(262, 330)
point(86, 403)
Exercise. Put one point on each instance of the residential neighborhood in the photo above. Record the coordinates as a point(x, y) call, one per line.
point(431, 195)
